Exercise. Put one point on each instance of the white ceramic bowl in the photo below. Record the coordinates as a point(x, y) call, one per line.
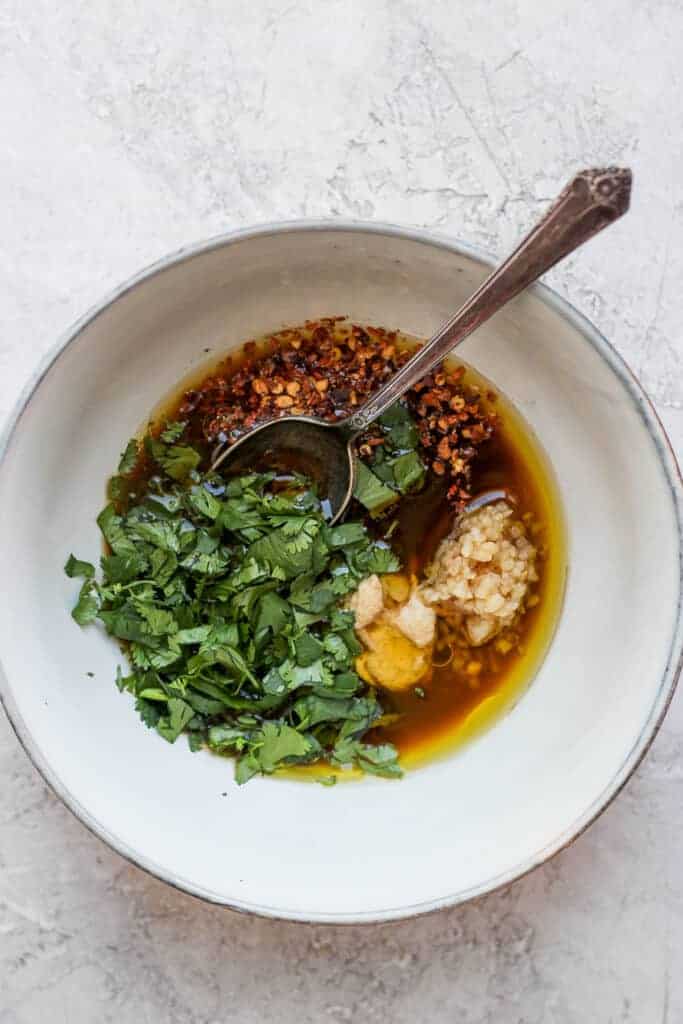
point(372, 850)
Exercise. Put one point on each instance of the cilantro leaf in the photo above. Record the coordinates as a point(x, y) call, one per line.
point(273, 612)
point(179, 461)
point(344, 684)
point(116, 488)
point(203, 502)
point(408, 471)
point(396, 467)
point(314, 709)
point(279, 742)
point(122, 568)
point(159, 621)
point(129, 458)
point(171, 725)
point(173, 431)
point(87, 605)
point(193, 635)
point(75, 568)
point(160, 533)
point(377, 559)
point(114, 533)
point(149, 712)
point(291, 557)
point(163, 564)
point(371, 492)
point(399, 429)
point(377, 760)
point(246, 768)
point(125, 623)
point(308, 649)
point(346, 534)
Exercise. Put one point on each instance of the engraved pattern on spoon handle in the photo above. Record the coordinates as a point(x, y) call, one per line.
point(590, 202)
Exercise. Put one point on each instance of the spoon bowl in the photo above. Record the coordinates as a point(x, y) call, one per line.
point(301, 444)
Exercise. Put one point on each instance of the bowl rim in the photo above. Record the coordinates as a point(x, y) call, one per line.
point(669, 466)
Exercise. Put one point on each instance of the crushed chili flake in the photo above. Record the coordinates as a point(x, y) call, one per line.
point(327, 368)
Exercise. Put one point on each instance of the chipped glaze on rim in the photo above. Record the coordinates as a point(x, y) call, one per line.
point(669, 679)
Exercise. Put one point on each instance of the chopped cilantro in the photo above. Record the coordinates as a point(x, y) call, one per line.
point(226, 596)
point(87, 606)
point(371, 492)
point(408, 471)
point(75, 567)
point(173, 431)
point(129, 458)
point(395, 468)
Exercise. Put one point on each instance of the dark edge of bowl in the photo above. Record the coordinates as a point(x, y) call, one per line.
point(668, 464)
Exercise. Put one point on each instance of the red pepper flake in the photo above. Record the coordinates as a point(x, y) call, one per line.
point(331, 366)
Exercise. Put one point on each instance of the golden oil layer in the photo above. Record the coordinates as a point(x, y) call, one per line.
point(458, 705)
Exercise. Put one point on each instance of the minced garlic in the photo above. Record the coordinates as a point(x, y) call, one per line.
point(482, 571)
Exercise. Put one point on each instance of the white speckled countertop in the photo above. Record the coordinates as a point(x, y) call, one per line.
point(132, 128)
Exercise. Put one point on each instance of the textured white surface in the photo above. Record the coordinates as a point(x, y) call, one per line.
point(129, 129)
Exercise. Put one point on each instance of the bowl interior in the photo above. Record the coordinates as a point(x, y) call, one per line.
point(369, 849)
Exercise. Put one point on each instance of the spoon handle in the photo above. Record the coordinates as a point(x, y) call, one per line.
point(590, 202)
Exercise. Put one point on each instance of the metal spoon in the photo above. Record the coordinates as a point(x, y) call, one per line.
point(324, 451)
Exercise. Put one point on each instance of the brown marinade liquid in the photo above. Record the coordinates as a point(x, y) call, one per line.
point(456, 703)
point(453, 697)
